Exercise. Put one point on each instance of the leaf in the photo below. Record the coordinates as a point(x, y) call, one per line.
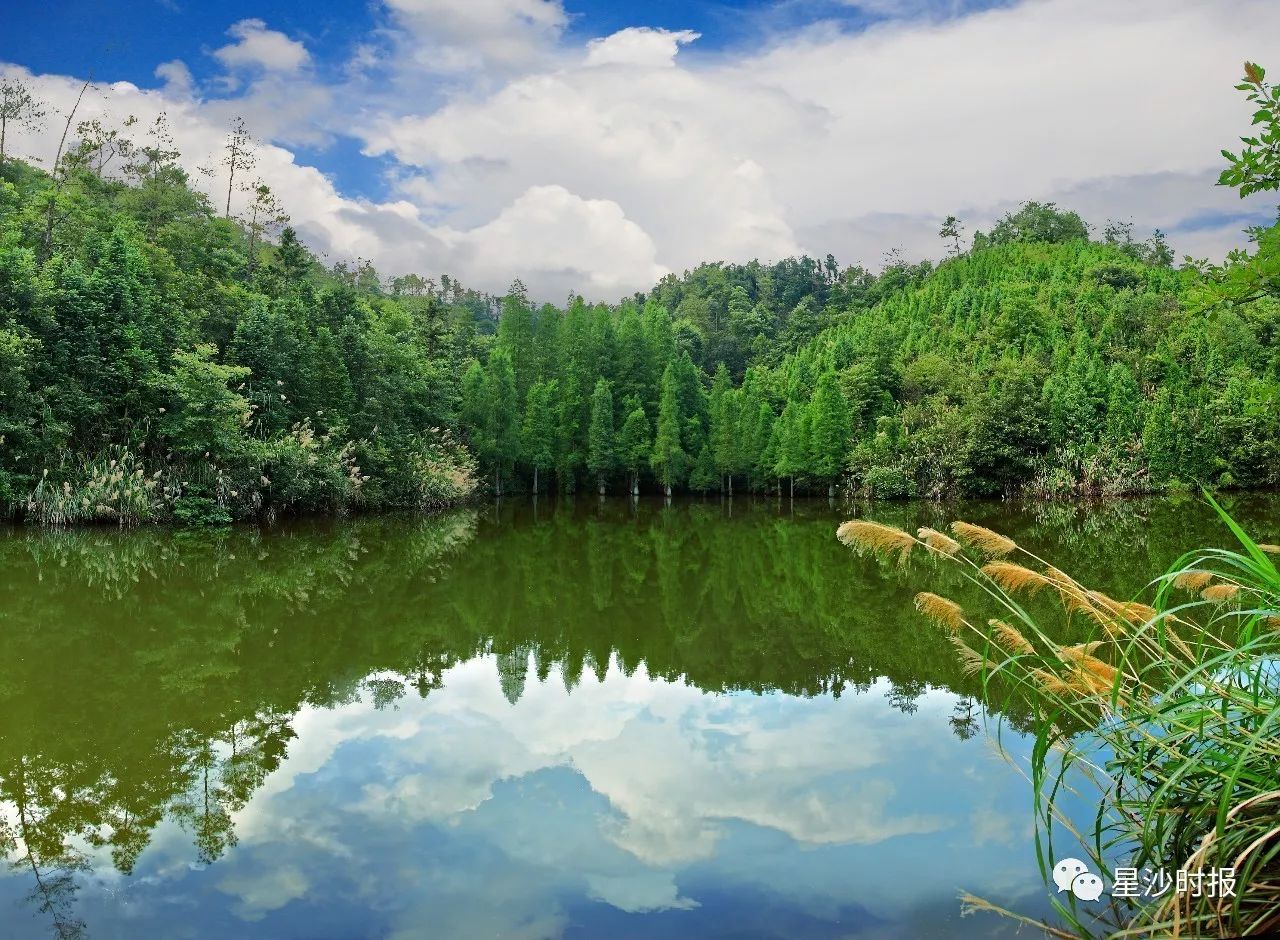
point(1254, 73)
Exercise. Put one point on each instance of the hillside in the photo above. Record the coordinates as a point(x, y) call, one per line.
point(161, 362)
point(1058, 368)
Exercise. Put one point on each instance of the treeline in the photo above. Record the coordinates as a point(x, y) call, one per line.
point(163, 360)
point(1039, 361)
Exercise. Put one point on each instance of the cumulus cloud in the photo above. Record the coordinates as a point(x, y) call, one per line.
point(464, 35)
point(256, 46)
point(176, 77)
point(631, 791)
point(858, 143)
point(638, 46)
point(583, 244)
point(598, 165)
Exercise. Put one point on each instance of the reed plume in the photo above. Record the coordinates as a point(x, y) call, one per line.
point(941, 610)
point(937, 541)
point(1193, 580)
point(1050, 682)
point(971, 661)
point(1138, 613)
point(1082, 602)
point(991, 543)
point(1010, 638)
point(875, 537)
point(1086, 662)
point(1220, 592)
point(1014, 577)
point(1192, 728)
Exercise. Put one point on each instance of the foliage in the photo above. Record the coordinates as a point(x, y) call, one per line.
point(1167, 709)
point(154, 336)
point(1257, 167)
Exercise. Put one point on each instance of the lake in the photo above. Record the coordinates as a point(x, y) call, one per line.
point(554, 720)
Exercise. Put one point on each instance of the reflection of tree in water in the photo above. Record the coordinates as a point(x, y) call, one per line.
point(37, 843)
point(223, 772)
point(513, 673)
point(963, 722)
point(192, 654)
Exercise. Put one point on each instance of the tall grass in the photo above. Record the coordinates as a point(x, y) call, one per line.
point(111, 487)
point(1169, 713)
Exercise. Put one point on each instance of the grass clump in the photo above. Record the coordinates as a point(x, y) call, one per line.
point(1171, 711)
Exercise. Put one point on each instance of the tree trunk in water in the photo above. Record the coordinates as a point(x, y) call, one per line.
point(831, 490)
point(535, 479)
point(635, 484)
point(731, 484)
point(601, 482)
point(792, 494)
point(668, 490)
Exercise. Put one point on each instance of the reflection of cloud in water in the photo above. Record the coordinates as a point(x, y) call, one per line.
point(614, 790)
point(672, 762)
point(633, 805)
point(262, 891)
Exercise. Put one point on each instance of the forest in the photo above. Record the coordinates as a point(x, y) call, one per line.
point(164, 360)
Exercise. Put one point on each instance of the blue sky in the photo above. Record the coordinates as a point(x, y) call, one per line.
point(593, 146)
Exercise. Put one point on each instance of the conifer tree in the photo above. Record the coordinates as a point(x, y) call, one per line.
point(830, 430)
point(601, 456)
point(726, 445)
point(791, 444)
point(538, 433)
point(634, 445)
point(669, 459)
point(502, 415)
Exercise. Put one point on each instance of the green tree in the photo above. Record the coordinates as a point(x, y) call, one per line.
point(791, 444)
point(601, 445)
point(634, 444)
point(538, 431)
point(726, 445)
point(1256, 168)
point(18, 109)
point(204, 413)
point(830, 430)
point(502, 416)
point(668, 458)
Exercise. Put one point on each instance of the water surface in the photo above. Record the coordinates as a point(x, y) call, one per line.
point(556, 721)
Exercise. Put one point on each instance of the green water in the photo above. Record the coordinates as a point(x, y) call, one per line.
point(574, 720)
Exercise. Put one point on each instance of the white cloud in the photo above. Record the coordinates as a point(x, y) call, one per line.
point(638, 46)
point(583, 244)
point(599, 165)
point(465, 35)
point(858, 143)
point(256, 46)
point(176, 77)
point(259, 893)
